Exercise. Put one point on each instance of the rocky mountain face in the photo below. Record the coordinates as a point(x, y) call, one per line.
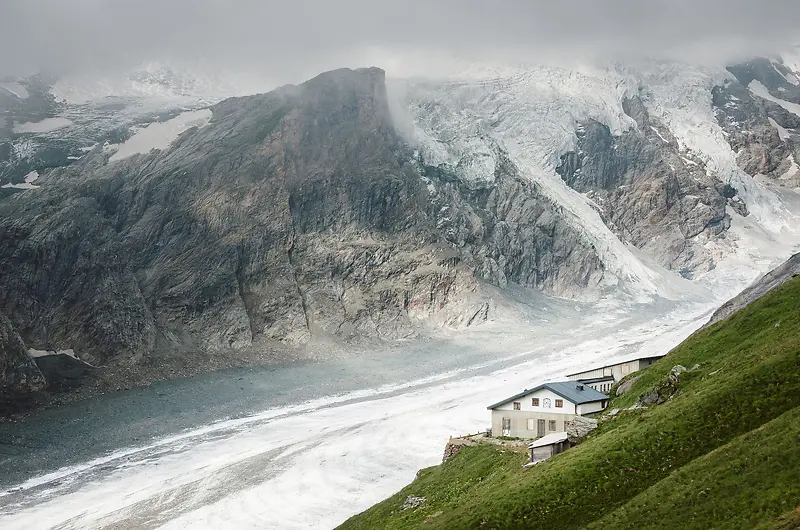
point(295, 215)
point(648, 192)
point(302, 216)
point(758, 110)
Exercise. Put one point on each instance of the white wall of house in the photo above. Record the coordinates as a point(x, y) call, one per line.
point(622, 369)
point(524, 423)
point(588, 408)
point(526, 403)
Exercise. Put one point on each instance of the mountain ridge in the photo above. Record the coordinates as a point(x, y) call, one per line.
point(307, 216)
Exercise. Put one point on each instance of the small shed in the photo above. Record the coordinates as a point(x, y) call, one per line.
point(549, 445)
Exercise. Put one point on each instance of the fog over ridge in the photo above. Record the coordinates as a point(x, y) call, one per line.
point(290, 40)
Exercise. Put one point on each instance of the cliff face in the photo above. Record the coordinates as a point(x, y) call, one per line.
point(19, 375)
point(294, 215)
point(754, 111)
point(648, 192)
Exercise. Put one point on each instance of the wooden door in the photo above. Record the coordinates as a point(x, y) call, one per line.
point(506, 426)
point(540, 428)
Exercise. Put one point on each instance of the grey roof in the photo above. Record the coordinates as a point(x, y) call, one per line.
point(567, 389)
point(596, 380)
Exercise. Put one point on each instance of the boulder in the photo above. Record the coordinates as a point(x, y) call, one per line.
point(579, 427)
point(626, 385)
point(675, 373)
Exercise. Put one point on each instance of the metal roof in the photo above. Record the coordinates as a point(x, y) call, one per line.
point(569, 390)
point(596, 380)
point(554, 438)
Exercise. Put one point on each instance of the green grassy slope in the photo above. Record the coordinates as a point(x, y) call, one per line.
point(649, 467)
point(716, 490)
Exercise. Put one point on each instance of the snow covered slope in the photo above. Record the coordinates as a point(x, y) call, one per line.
point(535, 114)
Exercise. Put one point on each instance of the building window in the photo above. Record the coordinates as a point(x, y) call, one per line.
point(546, 403)
point(517, 405)
point(535, 402)
point(559, 403)
point(531, 424)
point(552, 425)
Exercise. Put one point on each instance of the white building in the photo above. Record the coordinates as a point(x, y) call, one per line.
point(604, 377)
point(544, 409)
point(549, 445)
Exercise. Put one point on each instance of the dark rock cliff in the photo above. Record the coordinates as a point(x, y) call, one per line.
point(293, 216)
point(19, 375)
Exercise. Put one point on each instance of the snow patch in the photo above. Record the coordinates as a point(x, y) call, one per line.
point(30, 178)
point(783, 134)
point(790, 78)
point(659, 134)
point(160, 135)
point(16, 89)
point(757, 88)
point(43, 353)
point(43, 126)
point(793, 170)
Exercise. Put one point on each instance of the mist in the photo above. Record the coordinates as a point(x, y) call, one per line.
point(290, 40)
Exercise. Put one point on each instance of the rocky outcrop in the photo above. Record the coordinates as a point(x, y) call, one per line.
point(667, 389)
point(579, 428)
point(19, 375)
point(648, 192)
point(626, 385)
point(509, 232)
point(765, 284)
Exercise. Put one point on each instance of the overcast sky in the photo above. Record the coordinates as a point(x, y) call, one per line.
point(290, 38)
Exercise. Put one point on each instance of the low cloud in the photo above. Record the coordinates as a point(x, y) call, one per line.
point(289, 40)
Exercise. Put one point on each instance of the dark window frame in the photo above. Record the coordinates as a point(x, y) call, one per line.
point(517, 405)
point(559, 403)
